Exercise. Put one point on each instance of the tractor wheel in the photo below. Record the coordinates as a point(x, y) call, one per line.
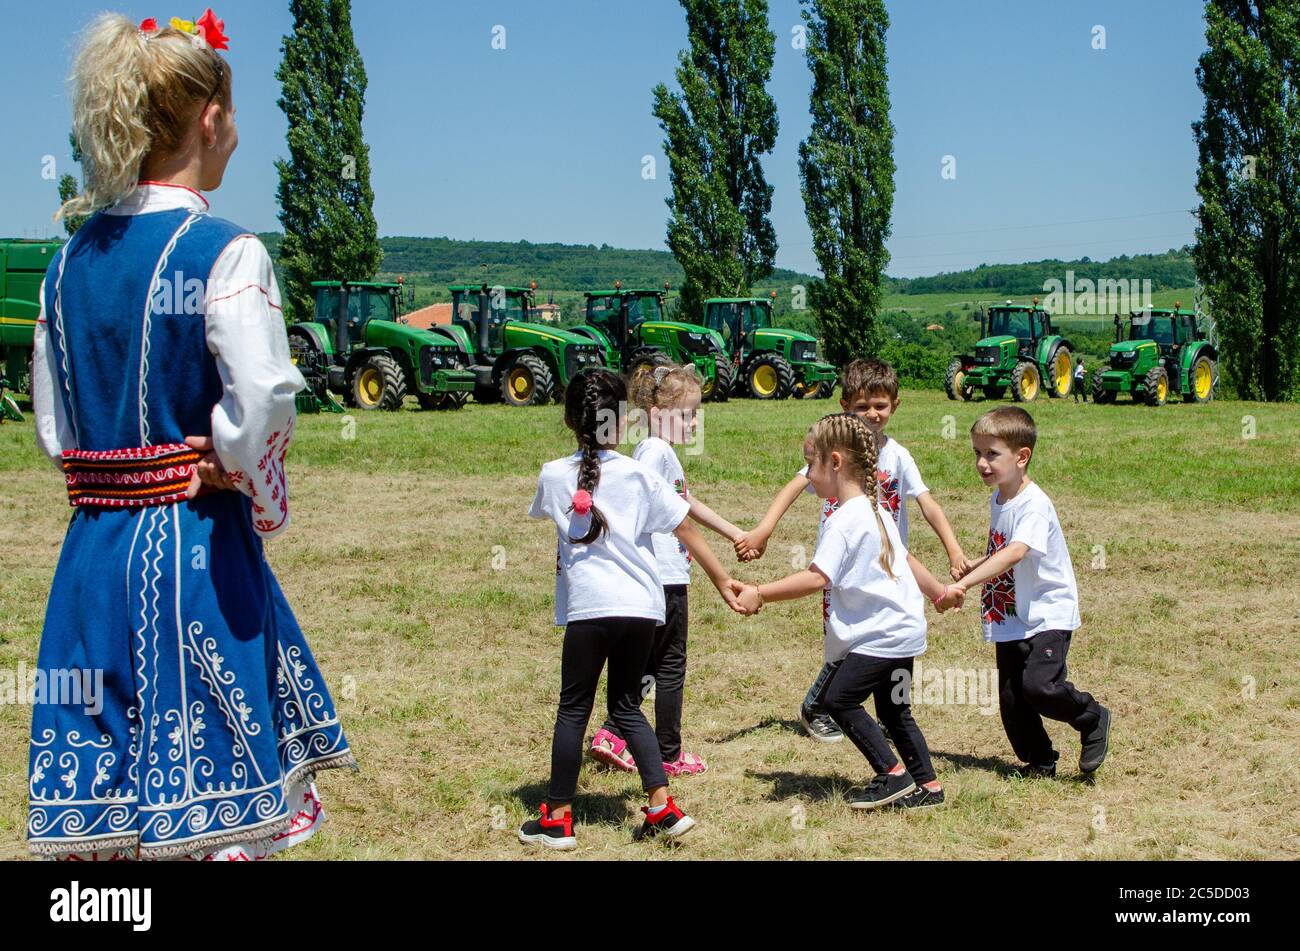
point(527, 381)
point(811, 391)
point(378, 383)
point(768, 377)
point(825, 389)
point(719, 391)
point(441, 401)
point(1201, 379)
point(954, 382)
point(1099, 393)
point(645, 356)
point(1060, 370)
point(1157, 386)
point(994, 392)
point(1025, 382)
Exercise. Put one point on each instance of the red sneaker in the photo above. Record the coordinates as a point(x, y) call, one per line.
point(669, 822)
point(552, 833)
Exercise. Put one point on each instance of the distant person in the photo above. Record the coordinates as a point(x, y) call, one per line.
point(1029, 603)
point(1079, 388)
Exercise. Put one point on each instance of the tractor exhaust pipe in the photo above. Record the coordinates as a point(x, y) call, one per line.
point(484, 315)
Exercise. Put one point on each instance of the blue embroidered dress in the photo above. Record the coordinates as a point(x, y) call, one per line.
point(160, 322)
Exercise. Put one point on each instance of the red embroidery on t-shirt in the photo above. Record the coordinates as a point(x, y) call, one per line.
point(998, 596)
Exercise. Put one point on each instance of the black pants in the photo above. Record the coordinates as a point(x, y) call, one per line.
point(667, 669)
point(625, 643)
point(1080, 390)
point(889, 680)
point(813, 698)
point(1032, 685)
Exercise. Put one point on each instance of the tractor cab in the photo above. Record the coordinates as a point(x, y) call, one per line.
point(737, 320)
point(344, 308)
point(483, 311)
point(620, 312)
point(1026, 325)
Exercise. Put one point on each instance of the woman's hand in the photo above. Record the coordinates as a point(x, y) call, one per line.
point(208, 471)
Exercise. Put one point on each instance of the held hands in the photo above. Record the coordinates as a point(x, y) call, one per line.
point(743, 598)
point(750, 545)
point(209, 473)
point(953, 597)
point(961, 566)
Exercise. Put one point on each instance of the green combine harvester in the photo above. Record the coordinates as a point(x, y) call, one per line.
point(511, 359)
point(1167, 352)
point(22, 269)
point(629, 326)
point(1018, 349)
point(768, 363)
point(357, 345)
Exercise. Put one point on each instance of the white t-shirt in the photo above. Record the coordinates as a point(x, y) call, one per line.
point(673, 559)
point(897, 478)
point(1039, 593)
point(614, 576)
point(865, 610)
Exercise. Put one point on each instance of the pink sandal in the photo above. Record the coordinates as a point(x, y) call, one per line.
point(686, 764)
point(612, 751)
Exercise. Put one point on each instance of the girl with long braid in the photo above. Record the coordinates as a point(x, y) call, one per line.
point(874, 616)
point(608, 597)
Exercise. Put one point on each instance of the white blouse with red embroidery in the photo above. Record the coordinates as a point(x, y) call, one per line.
point(253, 422)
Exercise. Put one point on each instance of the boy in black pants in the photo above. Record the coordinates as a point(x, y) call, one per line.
point(1029, 602)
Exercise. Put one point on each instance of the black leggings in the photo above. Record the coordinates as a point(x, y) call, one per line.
point(625, 643)
point(667, 669)
point(889, 680)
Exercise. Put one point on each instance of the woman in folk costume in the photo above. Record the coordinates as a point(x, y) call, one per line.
point(164, 389)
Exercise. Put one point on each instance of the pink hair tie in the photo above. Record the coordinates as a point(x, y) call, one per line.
point(582, 501)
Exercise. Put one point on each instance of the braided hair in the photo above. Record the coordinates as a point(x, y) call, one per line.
point(661, 384)
point(593, 398)
point(853, 439)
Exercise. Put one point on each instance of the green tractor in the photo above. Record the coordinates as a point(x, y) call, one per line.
point(769, 363)
point(1167, 351)
point(1018, 349)
point(512, 359)
point(22, 269)
point(629, 325)
point(357, 345)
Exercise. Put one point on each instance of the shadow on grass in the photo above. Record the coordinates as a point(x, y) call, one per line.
point(815, 788)
point(1006, 769)
point(792, 726)
point(588, 808)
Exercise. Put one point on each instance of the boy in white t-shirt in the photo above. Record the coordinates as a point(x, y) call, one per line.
point(1029, 602)
point(869, 391)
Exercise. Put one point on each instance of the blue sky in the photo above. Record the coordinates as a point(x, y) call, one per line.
point(545, 140)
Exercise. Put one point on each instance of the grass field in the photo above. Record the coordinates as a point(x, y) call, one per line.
point(427, 596)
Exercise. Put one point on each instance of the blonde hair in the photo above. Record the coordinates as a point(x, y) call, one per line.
point(661, 384)
point(135, 94)
point(856, 443)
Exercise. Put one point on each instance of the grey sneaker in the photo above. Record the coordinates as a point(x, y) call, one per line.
point(1095, 743)
point(820, 726)
point(883, 790)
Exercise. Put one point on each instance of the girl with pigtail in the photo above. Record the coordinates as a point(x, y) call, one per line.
point(874, 617)
point(607, 508)
point(170, 429)
point(669, 397)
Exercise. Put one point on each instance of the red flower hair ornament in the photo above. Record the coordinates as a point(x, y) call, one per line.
point(582, 501)
point(208, 27)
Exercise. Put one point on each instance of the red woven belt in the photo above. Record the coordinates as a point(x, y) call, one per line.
point(118, 478)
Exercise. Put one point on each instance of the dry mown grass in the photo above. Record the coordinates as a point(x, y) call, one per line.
point(455, 663)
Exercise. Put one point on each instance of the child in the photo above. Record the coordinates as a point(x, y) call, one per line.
point(1079, 388)
point(875, 619)
point(607, 508)
point(670, 397)
point(869, 391)
point(1029, 603)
